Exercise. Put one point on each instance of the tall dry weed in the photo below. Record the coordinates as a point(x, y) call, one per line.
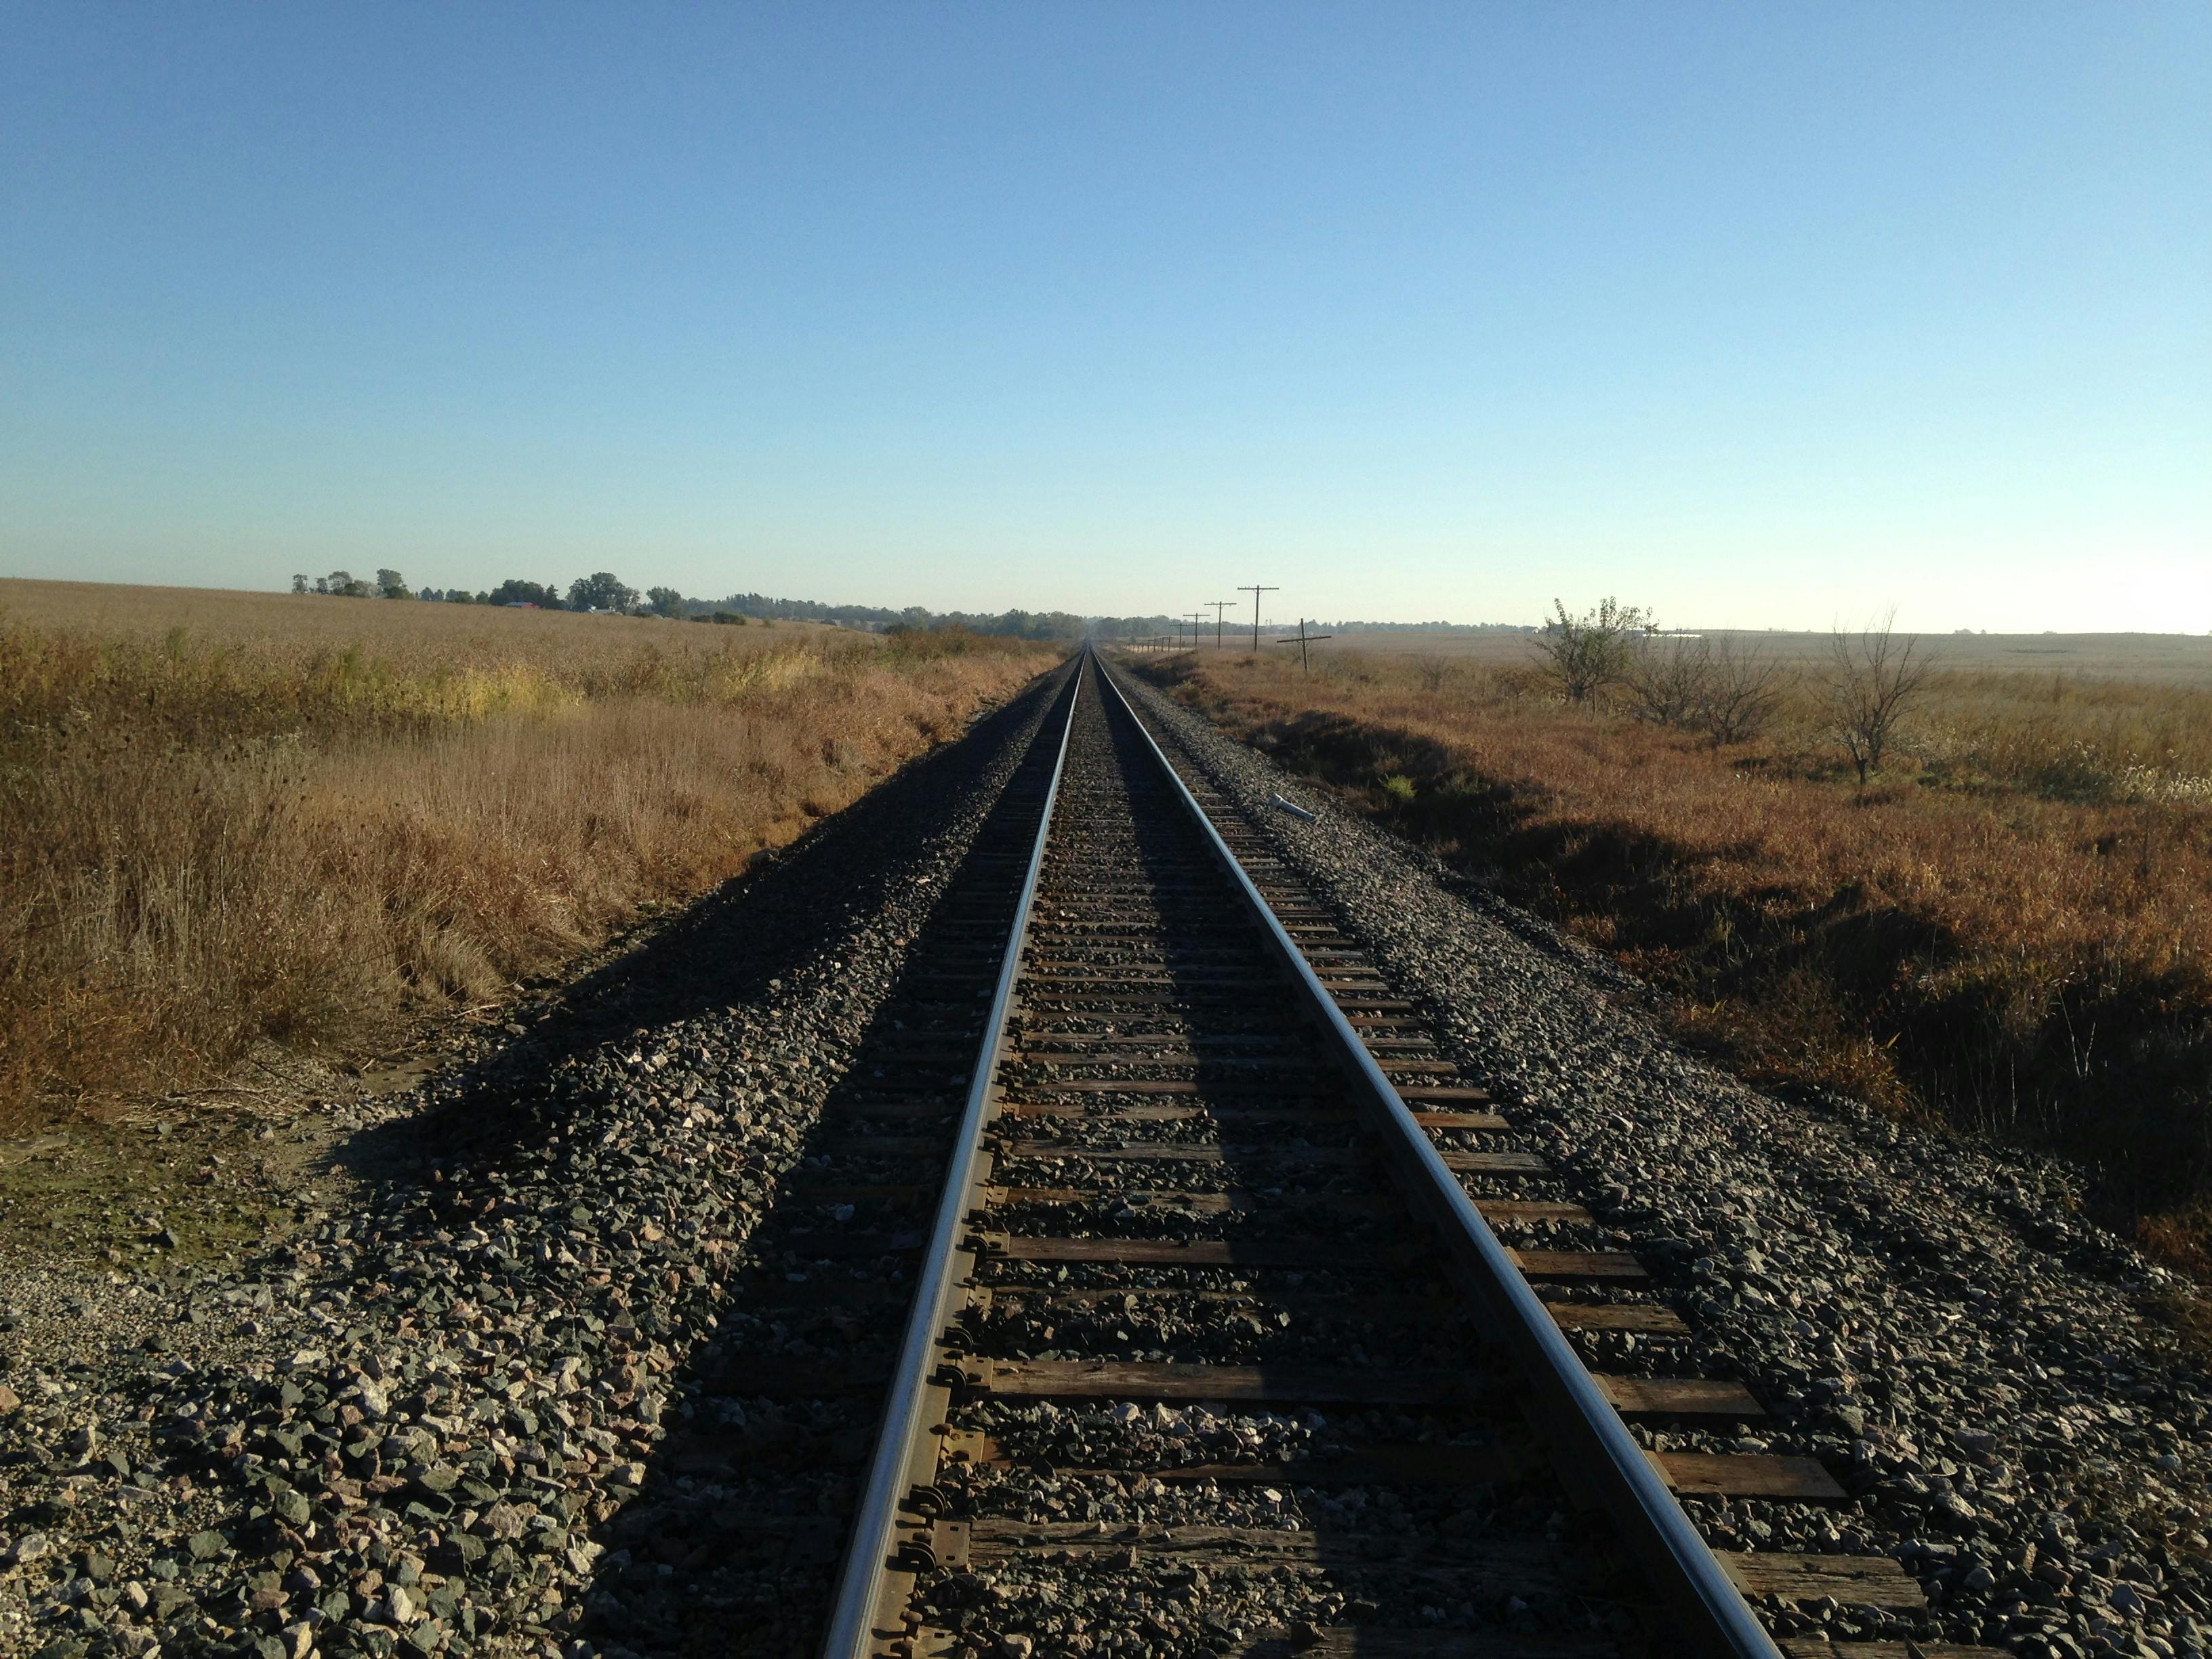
point(204, 844)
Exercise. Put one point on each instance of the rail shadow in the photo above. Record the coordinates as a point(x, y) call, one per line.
point(731, 1542)
point(727, 948)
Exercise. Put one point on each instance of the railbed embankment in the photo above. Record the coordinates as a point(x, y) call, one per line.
point(2031, 1430)
point(2004, 935)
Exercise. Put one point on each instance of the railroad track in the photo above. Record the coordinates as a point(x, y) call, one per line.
point(1240, 1322)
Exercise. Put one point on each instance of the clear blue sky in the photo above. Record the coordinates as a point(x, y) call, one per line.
point(1761, 314)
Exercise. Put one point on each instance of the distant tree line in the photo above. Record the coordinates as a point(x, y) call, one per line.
point(1131, 627)
point(344, 585)
point(1348, 627)
point(1134, 628)
point(1020, 624)
point(603, 590)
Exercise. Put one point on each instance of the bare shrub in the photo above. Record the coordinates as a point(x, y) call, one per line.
point(1725, 691)
point(1669, 681)
point(1874, 679)
point(1584, 654)
point(1514, 683)
point(1744, 691)
point(1433, 671)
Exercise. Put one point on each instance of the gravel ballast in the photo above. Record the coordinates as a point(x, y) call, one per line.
point(405, 1431)
point(1933, 1318)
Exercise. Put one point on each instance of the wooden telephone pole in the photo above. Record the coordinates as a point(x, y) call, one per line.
point(1302, 640)
point(1218, 606)
point(1255, 591)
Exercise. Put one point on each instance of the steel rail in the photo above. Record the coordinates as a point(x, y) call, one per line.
point(1711, 1611)
point(868, 1553)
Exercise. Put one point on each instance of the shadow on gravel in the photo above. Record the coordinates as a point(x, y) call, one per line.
point(730, 1543)
point(726, 948)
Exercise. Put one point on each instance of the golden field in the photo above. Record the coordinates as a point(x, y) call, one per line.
point(2009, 929)
point(231, 818)
point(2179, 660)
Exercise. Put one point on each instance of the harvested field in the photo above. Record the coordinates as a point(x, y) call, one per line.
point(2005, 931)
point(2168, 659)
point(233, 818)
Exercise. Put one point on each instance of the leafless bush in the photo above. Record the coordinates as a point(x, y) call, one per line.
point(1517, 685)
point(1727, 692)
point(1669, 680)
point(1744, 692)
point(1433, 670)
point(1873, 681)
point(1586, 653)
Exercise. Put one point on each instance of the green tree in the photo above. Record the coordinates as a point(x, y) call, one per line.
point(601, 590)
point(392, 585)
point(1586, 653)
point(515, 591)
point(665, 601)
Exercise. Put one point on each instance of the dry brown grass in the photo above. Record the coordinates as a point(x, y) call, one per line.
point(394, 631)
point(217, 828)
point(2163, 660)
point(2008, 930)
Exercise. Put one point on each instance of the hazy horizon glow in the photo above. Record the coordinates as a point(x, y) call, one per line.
point(1758, 316)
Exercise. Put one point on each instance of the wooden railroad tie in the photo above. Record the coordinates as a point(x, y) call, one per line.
point(1866, 1580)
point(1165, 1056)
point(1819, 1647)
point(1643, 1318)
point(1609, 1267)
point(1870, 1580)
point(1512, 1456)
point(1167, 1152)
point(1238, 1199)
point(1687, 1397)
point(1147, 1113)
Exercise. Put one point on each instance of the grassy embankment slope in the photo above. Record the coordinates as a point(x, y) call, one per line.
point(236, 816)
point(2010, 930)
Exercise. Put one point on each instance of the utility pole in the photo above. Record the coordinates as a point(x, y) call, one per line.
point(1255, 591)
point(1302, 640)
point(1197, 616)
point(1218, 606)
